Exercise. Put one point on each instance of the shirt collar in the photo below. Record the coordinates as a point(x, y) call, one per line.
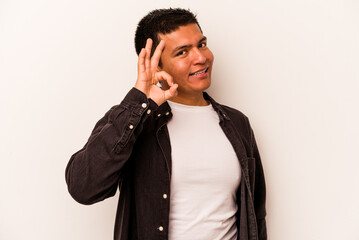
point(165, 110)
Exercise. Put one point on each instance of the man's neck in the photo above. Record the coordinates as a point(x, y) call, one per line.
point(193, 100)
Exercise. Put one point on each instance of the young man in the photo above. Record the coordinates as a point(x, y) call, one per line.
point(186, 166)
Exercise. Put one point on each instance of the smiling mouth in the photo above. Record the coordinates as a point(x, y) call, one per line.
point(199, 72)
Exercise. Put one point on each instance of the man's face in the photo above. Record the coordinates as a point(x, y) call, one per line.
point(187, 59)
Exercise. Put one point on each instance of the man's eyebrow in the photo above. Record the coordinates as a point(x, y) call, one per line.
point(186, 46)
point(203, 39)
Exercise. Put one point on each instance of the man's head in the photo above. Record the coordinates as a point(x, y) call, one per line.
point(161, 21)
point(185, 56)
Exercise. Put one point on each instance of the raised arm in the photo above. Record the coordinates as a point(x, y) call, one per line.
point(93, 173)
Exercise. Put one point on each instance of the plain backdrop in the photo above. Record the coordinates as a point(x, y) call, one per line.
point(292, 66)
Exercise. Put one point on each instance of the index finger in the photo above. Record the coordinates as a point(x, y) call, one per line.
point(157, 55)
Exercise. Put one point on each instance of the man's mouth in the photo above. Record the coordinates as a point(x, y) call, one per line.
point(199, 72)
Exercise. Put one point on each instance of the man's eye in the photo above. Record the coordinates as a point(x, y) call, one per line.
point(202, 45)
point(183, 52)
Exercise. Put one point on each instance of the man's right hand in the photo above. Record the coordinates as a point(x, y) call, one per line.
point(149, 76)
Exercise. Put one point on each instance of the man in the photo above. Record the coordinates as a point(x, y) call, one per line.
point(186, 166)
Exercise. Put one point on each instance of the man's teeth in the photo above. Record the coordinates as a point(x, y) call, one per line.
point(198, 73)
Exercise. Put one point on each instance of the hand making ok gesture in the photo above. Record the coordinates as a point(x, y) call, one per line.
point(149, 76)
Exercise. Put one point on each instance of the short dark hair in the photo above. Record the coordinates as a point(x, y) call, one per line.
point(161, 21)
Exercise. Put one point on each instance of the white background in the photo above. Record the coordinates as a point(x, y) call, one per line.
point(291, 66)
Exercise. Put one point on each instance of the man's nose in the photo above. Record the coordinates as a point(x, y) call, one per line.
point(199, 57)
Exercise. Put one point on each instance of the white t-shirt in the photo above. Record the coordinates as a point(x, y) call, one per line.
point(205, 176)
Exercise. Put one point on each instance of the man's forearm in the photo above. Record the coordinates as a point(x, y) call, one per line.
point(93, 173)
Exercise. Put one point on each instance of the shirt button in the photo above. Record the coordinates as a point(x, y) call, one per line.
point(159, 115)
point(131, 126)
point(144, 105)
point(148, 111)
point(165, 196)
point(160, 228)
point(167, 113)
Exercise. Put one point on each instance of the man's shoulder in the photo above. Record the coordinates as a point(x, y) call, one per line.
point(236, 116)
point(234, 112)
